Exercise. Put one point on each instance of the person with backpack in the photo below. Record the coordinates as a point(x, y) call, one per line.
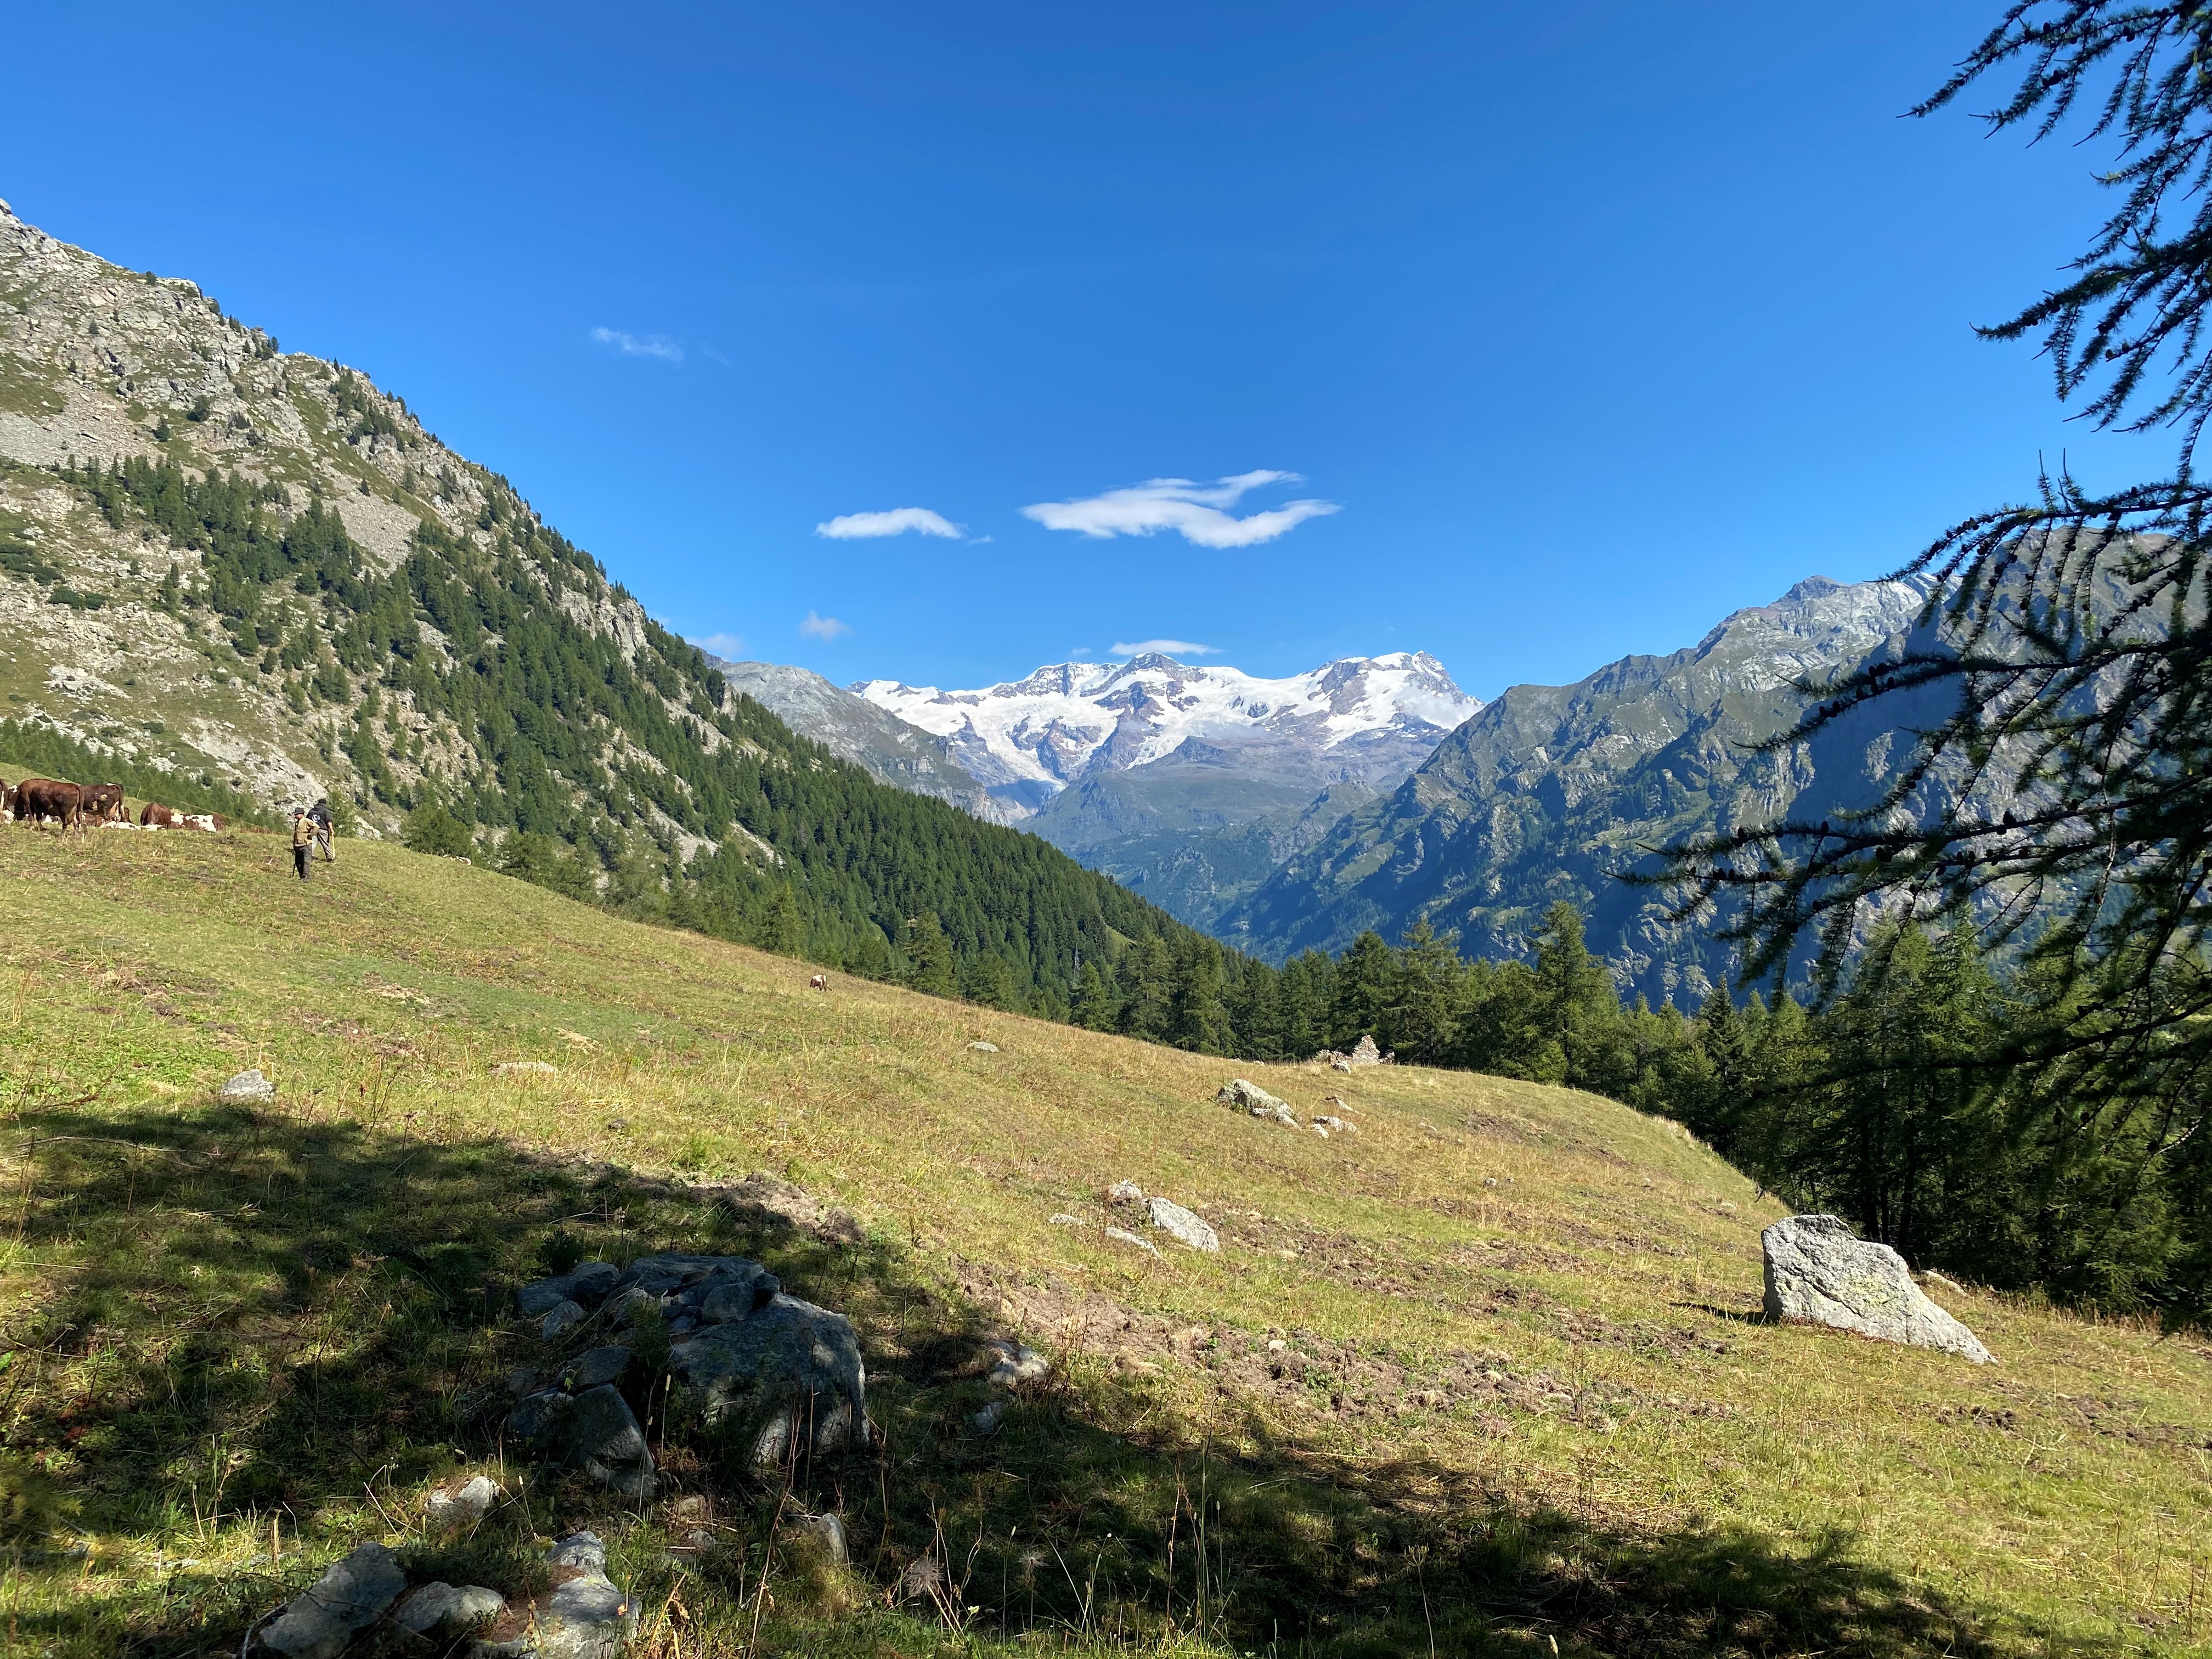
point(319, 816)
point(303, 840)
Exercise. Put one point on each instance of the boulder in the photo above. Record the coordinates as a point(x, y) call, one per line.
point(1820, 1272)
point(791, 1371)
point(1017, 1364)
point(831, 1529)
point(564, 1316)
point(584, 1616)
point(1125, 1192)
point(1183, 1227)
point(320, 1621)
point(1364, 1053)
point(984, 1048)
point(456, 1609)
point(587, 1286)
point(594, 1366)
point(1240, 1091)
point(594, 1430)
point(248, 1088)
point(464, 1506)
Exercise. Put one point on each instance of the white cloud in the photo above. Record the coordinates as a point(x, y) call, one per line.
point(856, 526)
point(1166, 648)
point(727, 646)
point(1194, 510)
point(639, 346)
point(824, 628)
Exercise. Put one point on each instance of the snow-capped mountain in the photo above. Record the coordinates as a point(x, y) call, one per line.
point(1363, 720)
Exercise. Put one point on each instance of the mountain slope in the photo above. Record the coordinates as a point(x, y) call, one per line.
point(231, 564)
point(855, 729)
point(1489, 1373)
point(1551, 789)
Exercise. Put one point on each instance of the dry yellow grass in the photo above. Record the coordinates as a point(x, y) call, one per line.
point(1493, 1292)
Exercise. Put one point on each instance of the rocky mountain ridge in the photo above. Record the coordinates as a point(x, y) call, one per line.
point(1552, 790)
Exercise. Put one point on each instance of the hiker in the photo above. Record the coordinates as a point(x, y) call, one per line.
point(319, 816)
point(303, 840)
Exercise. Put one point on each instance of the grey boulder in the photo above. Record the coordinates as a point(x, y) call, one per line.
point(1820, 1272)
point(585, 1616)
point(465, 1506)
point(249, 1087)
point(587, 1286)
point(461, 1608)
point(595, 1432)
point(1241, 1091)
point(320, 1621)
point(1183, 1226)
point(596, 1365)
point(564, 1317)
point(791, 1373)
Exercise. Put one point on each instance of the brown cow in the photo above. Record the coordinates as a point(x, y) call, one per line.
point(37, 799)
point(155, 815)
point(103, 803)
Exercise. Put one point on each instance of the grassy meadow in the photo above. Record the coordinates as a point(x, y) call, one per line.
point(1486, 1377)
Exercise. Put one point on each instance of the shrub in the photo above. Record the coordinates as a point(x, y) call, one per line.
point(431, 828)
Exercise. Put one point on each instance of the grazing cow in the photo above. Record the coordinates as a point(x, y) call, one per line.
point(198, 821)
point(37, 799)
point(103, 803)
point(819, 982)
point(155, 815)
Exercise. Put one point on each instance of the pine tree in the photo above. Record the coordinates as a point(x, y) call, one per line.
point(929, 956)
point(782, 928)
point(1196, 1019)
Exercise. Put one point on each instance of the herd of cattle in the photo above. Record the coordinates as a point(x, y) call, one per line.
point(40, 801)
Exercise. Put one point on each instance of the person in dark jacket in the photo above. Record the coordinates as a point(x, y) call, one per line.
point(319, 816)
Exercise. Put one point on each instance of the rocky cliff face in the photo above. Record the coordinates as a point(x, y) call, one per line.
point(100, 366)
point(1552, 790)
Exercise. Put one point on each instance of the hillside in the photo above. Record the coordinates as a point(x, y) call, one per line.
point(1551, 790)
point(1522, 1399)
point(245, 569)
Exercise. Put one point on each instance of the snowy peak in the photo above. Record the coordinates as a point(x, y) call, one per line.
point(1361, 717)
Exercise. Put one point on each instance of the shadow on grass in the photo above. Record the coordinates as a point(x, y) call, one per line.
point(245, 1320)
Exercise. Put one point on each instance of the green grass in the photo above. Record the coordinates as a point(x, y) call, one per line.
point(1505, 1416)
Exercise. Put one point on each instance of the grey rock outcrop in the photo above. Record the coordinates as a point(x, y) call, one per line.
point(1242, 1091)
point(790, 1373)
point(249, 1088)
point(1820, 1272)
point(584, 1615)
point(320, 1621)
point(1183, 1226)
point(594, 1430)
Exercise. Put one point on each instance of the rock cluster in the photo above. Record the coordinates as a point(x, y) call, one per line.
point(781, 1369)
point(1820, 1272)
point(1364, 1052)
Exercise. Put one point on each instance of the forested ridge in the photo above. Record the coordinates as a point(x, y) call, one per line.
point(475, 686)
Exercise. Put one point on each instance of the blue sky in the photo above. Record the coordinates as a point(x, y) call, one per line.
point(1579, 324)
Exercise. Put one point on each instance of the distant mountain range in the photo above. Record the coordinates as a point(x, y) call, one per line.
point(1292, 814)
point(1189, 784)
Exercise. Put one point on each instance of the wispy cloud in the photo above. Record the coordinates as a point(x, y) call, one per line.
point(639, 346)
point(725, 646)
point(1166, 648)
point(857, 526)
point(824, 628)
point(1193, 510)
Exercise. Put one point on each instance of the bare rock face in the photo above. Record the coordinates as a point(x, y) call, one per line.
point(1820, 1272)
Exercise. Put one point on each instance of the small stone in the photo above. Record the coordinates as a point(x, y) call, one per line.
point(458, 1609)
point(1125, 1192)
point(983, 1047)
point(986, 1421)
point(465, 1506)
point(247, 1088)
point(1123, 1235)
point(1184, 1227)
point(1820, 1272)
point(596, 1365)
point(320, 1621)
point(1017, 1364)
point(831, 1529)
point(565, 1315)
point(1064, 1219)
point(525, 1068)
